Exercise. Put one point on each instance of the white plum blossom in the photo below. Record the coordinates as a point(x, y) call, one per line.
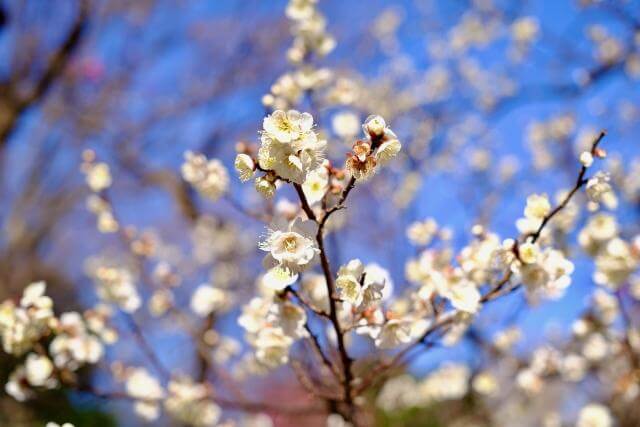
point(594, 415)
point(272, 347)
point(74, 345)
point(289, 145)
point(189, 403)
point(599, 190)
point(394, 333)
point(615, 263)
point(207, 299)
point(209, 177)
point(21, 326)
point(291, 245)
point(290, 318)
point(38, 370)
point(537, 207)
point(98, 177)
point(548, 276)
point(463, 294)
point(346, 125)
point(116, 285)
point(147, 392)
point(245, 167)
point(17, 386)
point(278, 278)
point(348, 284)
point(421, 233)
point(316, 185)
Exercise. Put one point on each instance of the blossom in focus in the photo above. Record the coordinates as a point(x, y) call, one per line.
point(316, 185)
point(245, 167)
point(289, 145)
point(291, 245)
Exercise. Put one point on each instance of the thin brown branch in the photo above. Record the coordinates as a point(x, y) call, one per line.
point(580, 181)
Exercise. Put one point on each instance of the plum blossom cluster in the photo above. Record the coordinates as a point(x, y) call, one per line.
point(290, 148)
point(272, 325)
point(447, 382)
point(208, 176)
point(310, 39)
point(98, 179)
point(55, 347)
point(185, 401)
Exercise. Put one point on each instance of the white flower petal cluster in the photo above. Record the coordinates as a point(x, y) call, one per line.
point(272, 327)
point(75, 345)
point(314, 287)
point(599, 190)
point(289, 88)
point(190, 403)
point(594, 415)
point(278, 278)
point(546, 273)
point(98, 176)
point(615, 258)
point(309, 31)
point(421, 233)
point(361, 287)
point(105, 220)
point(598, 231)
point(209, 177)
point(394, 333)
point(435, 276)
point(450, 381)
point(116, 285)
point(316, 185)
point(208, 299)
point(245, 167)
point(615, 263)
point(21, 326)
point(147, 392)
point(346, 125)
point(289, 145)
point(536, 209)
point(291, 245)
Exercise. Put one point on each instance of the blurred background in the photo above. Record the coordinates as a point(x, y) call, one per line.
point(493, 100)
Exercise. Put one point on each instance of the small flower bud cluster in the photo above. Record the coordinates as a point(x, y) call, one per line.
point(380, 146)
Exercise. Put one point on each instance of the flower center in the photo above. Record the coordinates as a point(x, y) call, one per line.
point(290, 244)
